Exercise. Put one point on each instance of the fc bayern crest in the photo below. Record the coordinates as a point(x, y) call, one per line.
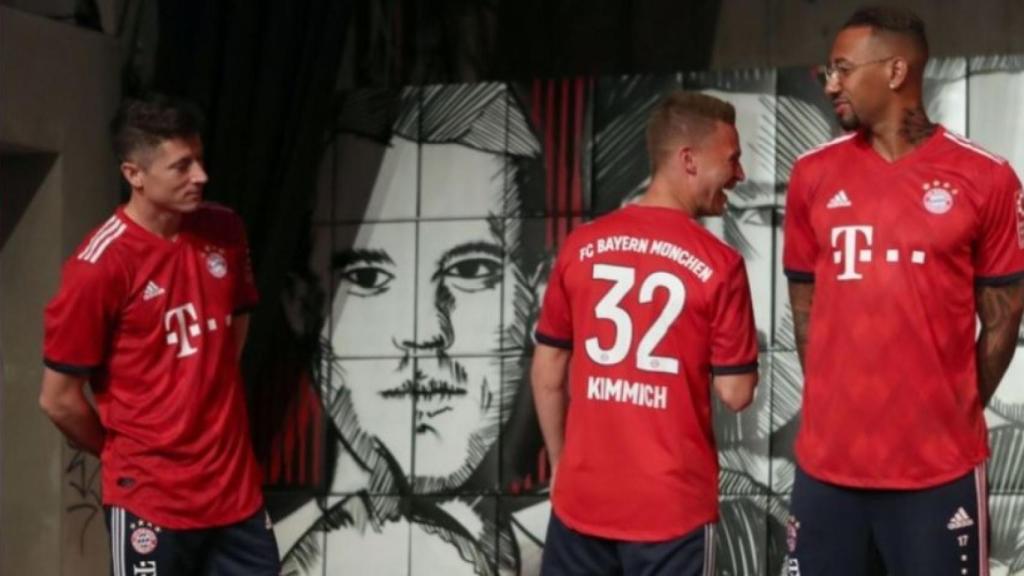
point(938, 196)
point(144, 540)
point(216, 264)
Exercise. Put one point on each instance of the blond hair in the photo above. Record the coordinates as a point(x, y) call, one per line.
point(684, 118)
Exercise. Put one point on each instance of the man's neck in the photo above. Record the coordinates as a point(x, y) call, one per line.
point(661, 193)
point(163, 223)
point(907, 129)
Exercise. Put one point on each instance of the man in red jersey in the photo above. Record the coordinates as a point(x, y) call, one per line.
point(645, 312)
point(897, 236)
point(152, 311)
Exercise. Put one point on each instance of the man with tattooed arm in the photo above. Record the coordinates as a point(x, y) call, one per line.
point(898, 236)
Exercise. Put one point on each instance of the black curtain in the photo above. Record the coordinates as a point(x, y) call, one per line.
point(265, 72)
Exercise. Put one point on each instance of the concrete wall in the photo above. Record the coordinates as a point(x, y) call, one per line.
point(59, 86)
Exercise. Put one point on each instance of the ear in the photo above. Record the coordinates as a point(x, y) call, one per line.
point(898, 73)
point(686, 159)
point(132, 173)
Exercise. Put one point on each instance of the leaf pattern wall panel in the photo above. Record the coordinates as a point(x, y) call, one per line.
point(621, 165)
point(995, 111)
point(804, 120)
point(945, 93)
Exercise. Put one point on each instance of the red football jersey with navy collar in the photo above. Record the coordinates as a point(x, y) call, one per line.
point(148, 321)
point(651, 305)
point(895, 251)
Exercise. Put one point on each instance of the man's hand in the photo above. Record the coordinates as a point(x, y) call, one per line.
point(63, 400)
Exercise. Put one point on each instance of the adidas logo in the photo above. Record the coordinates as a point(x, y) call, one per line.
point(840, 200)
point(960, 520)
point(151, 291)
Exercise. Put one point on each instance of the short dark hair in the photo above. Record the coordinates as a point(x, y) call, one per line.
point(892, 20)
point(143, 123)
point(684, 116)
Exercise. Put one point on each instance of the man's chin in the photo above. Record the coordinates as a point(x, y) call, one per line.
point(848, 123)
point(190, 205)
point(718, 205)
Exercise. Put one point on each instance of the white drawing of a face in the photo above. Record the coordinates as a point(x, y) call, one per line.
point(417, 317)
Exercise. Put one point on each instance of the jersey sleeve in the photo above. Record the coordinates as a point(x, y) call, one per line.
point(799, 246)
point(246, 296)
point(999, 251)
point(554, 327)
point(733, 334)
point(79, 321)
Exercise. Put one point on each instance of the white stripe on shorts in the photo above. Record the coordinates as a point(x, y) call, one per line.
point(981, 490)
point(709, 550)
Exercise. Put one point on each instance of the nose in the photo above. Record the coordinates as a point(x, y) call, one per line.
point(832, 85)
point(199, 174)
point(740, 175)
point(433, 325)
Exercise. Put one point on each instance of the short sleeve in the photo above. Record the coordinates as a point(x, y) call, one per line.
point(999, 251)
point(800, 248)
point(733, 334)
point(246, 296)
point(79, 321)
point(554, 328)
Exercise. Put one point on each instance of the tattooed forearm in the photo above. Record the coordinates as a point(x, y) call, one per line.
point(999, 309)
point(915, 127)
point(801, 294)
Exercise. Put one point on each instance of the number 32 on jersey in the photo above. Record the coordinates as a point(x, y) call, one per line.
point(623, 279)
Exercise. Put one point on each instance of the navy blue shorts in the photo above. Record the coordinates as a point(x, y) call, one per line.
point(840, 531)
point(141, 548)
point(571, 553)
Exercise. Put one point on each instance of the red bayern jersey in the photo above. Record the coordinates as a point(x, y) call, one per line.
point(651, 304)
point(895, 251)
point(148, 321)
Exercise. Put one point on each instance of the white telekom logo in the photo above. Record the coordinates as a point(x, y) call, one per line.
point(850, 253)
point(853, 244)
point(183, 326)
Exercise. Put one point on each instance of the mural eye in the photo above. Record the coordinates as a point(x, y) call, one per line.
point(472, 274)
point(367, 280)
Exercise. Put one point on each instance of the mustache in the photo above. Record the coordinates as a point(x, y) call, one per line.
point(423, 387)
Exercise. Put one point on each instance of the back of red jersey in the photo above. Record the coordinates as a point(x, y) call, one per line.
point(895, 251)
point(148, 321)
point(651, 304)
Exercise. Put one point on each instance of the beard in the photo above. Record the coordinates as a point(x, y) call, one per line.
point(443, 412)
point(850, 122)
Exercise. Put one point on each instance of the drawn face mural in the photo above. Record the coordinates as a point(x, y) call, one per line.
point(432, 290)
point(428, 294)
point(432, 286)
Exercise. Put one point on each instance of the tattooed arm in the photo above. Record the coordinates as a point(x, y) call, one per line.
point(999, 309)
point(801, 294)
